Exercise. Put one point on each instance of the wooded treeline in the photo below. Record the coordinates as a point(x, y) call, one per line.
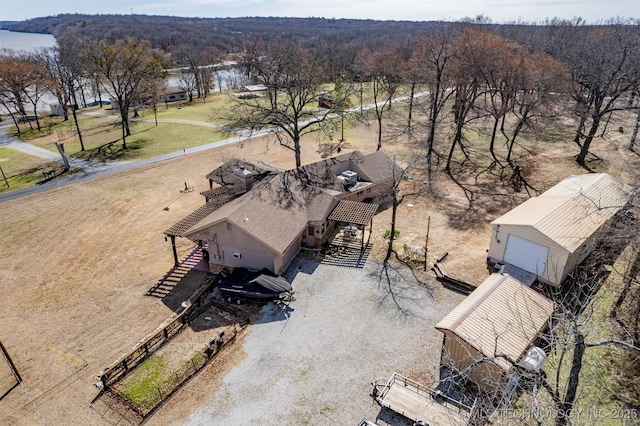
point(227, 34)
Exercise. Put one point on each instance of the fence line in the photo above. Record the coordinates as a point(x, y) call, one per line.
point(143, 349)
point(147, 406)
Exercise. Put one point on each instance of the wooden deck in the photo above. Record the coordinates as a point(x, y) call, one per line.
point(418, 402)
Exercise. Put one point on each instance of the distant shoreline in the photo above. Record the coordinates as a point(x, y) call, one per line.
point(18, 40)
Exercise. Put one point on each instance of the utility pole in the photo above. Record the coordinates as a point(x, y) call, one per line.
point(426, 243)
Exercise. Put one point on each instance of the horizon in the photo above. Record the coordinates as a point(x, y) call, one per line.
point(498, 11)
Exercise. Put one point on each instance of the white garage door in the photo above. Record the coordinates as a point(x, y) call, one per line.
point(526, 254)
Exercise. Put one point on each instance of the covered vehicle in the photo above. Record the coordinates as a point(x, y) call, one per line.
point(245, 284)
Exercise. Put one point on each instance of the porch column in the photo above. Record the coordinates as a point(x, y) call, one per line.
point(175, 252)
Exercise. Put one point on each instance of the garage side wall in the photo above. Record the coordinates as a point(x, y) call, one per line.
point(460, 355)
point(554, 271)
point(281, 262)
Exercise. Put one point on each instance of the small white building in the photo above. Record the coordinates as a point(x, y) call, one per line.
point(57, 110)
point(549, 235)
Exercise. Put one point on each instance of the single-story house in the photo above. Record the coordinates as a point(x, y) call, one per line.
point(493, 328)
point(269, 214)
point(174, 95)
point(549, 235)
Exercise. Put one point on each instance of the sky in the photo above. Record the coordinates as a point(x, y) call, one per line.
point(499, 11)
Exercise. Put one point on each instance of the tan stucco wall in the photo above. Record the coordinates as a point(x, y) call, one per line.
point(226, 242)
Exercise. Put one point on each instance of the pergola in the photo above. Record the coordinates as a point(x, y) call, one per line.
point(354, 213)
point(215, 198)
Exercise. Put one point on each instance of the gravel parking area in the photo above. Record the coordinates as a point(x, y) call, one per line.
point(313, 362)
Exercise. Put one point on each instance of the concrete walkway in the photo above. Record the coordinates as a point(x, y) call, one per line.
point(153, 120)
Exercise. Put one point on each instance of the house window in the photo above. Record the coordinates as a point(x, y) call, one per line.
point(368, 189)
point(228, 226)
point(311, 231)
point(359, 193)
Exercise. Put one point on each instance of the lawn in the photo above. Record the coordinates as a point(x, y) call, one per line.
point(21, 170)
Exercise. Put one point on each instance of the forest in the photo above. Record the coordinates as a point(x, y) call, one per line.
point(226, 34)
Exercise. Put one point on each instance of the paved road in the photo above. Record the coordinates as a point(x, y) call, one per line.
point(92, 170)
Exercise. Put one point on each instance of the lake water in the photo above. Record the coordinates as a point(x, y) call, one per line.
point(224, 79)
point(25, 41)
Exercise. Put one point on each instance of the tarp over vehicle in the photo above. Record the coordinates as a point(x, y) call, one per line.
point(275, 284)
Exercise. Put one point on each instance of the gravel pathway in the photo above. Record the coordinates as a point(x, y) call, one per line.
point(314, 364)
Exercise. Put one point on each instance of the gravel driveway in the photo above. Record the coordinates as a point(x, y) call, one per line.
point(314, 363)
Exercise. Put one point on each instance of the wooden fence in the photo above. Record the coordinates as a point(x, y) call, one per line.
point(143, 349)
point(154, 400)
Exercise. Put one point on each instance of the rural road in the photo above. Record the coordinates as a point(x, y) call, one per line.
point(92, 170)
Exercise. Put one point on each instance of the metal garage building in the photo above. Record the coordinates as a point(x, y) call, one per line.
point(493, 328)
point(549, 235)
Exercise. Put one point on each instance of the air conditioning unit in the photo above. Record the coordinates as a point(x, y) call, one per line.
point(350, 177)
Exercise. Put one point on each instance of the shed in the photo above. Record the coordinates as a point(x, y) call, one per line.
point(549, 235)
point(493, 328)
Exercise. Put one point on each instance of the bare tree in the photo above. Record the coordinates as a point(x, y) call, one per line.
point(292, 77)
point(124, 67)
point(603, 76)
point(62, 80)
point(383, 69)
point(13, 83)
point(471, 58)
point(432, 55)
point(39, 80)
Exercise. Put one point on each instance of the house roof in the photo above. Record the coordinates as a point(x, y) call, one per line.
point(217, 197)
point(572, 210)
point(376, 166)
point(280, 205)
point(254, 211)
point(501, 316)
point(223, 174)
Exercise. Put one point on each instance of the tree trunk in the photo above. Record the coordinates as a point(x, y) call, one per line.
point(75, 119)
point(379, 117)
point(634, 135)
point(456, 140)
point(492, 144)
point(513, 138)
point(564, 413)
point(583, 119)
point(413, 92)
point(628, 281)
point(124, 132)
point(297, 151)
point(584, 150)
point(392, 234)
point(430, 138)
